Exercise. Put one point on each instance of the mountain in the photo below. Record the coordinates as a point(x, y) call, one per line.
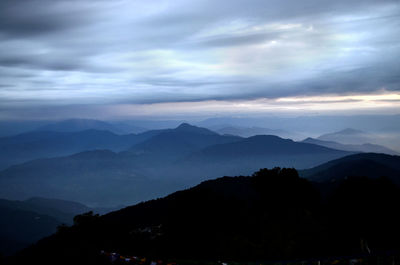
point(185, 156)
point(41, 144)
point(63, 211)
point(24, 222)
point(370, 165)
point(106, 178)
point(172, 144)
point(45, 144)
point(19, 228)
point(272, 215)
point(251, 131)
point(75, 125)
point(366, 148)
point(10, 128)
point(310, 125)
point(95, 178)
point(249, 154)
point(348, 136)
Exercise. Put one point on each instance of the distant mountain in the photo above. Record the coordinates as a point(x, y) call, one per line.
point(107, 178)
point(171, 144)
point(251, 131)
point(46, 144)
point(75, 125)
point(43, 144)
point(310, 125)
point(272, 215)
point(24, 222)
point(348, 136)
point(250, 154)
point(169, 160)
point(96, 178)
point(367, 148)
point(19, 228)
point(63, 211)
point(10, 128)
point(370, 165)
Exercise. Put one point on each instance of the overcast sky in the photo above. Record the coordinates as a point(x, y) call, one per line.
point(76, 58)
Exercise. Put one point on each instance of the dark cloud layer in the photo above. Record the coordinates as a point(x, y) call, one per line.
point(57, 52)
point(21, 18)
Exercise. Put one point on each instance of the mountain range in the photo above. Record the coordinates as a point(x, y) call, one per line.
point(249, 154)
point(11, 128)
point(185, 155)
point(348, 136)
point(100, 168)
point(45, 144)
point(366, 147)
point(253, 131)
point(76, 125)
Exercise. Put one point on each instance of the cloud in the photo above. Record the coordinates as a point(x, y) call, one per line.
point(19, 18)
point(66, 52)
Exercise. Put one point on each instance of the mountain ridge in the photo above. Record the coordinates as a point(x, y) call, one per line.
point(134, 175)
point(371, 165)
point(366, 147)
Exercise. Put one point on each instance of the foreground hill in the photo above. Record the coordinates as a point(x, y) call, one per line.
point(366, 148)
point(370, 165)
point(272, 215)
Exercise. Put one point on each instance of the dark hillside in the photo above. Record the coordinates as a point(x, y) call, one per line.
point(272, 215)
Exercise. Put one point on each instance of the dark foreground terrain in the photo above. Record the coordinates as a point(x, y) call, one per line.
point(271, 215)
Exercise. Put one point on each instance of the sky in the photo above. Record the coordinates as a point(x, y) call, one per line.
point(110, 59)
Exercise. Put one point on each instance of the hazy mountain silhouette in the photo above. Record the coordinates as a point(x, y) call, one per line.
point(366, 148)
point(249, 154)
point(62, 210)
point(96, 178)
point(24, 222)
point(370, 165)
point(75, 125)
point(272, 215)
point(348, 136)
point(185, 155)
point(11, 128)
point(19, 227)
point(44, 144)
point(104, 177)
point(251, 131)
point(172, 144)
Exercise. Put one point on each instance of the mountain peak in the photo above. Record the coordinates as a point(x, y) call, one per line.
point(186, 127)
